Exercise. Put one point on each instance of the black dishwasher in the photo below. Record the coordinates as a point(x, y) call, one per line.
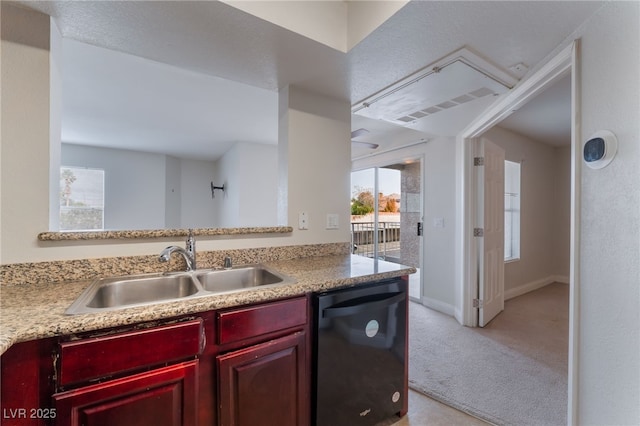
point(359, 364)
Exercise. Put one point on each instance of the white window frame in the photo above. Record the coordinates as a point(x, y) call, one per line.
point(97, 206)
point(512, 213)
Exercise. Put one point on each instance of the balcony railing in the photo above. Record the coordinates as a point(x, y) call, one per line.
point(363, 243)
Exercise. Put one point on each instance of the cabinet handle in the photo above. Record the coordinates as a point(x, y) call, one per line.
point(361, 304)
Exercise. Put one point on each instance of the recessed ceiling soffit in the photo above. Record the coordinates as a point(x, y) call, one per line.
point(460, 78)
point(337, 24)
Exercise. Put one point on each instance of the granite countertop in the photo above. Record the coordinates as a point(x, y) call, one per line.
point(37, 311)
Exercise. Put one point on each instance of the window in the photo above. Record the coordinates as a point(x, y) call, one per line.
point(81, 199)
point(386, 182)
point(511, 210)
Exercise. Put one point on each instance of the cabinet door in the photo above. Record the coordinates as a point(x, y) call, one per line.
point(26, 370)
point(265, 384)
point(165, 396)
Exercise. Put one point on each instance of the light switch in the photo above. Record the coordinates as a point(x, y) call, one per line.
point(333, 221)
point(303, 220)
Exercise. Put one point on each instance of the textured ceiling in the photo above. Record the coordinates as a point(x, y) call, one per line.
point(503, 32)
point(546, 118)
point(117, 100)
point(214, 38)
point(204, 36)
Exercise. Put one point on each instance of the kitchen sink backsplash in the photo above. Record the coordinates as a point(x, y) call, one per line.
point(86, 269)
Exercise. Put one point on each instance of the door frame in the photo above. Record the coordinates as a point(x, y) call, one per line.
point(562, 63)
point(414, 151)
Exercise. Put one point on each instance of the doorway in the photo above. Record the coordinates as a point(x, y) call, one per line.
point(562, 64)
point(386, 216)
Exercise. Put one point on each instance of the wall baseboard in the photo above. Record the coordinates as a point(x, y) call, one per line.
point(439, 306)
point(564, 279)
point(458, 316)
point(534, 285)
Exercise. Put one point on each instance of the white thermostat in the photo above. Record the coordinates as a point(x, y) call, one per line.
point(599, 149)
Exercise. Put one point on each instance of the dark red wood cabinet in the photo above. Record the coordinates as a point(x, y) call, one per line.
point(242, 366)
point(164, 397)
point(157, 395)
point(267, 380)
point(27, 376)
point(264, 384)
point(85, 359)
point(264, 364)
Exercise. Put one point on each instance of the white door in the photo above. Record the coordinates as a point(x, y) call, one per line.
point(491, 262)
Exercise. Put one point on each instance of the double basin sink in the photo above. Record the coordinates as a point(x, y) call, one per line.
point(106, 294)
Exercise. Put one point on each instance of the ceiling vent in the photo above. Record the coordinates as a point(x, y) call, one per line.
point(459, 78)
point(446, 105)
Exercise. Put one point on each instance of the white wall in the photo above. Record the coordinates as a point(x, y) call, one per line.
point(227, 204)
point(340, 25)
point(134, 196)
point(173, 189)
point(197, 209)
point(320, 133)
point(145, 190)
point(541, 212)
point(259, 184)
point(561, 226)
point(24, 179)
point(439, 202)
point(314, 157)
point(609, 308)
point(249, 172)
point(55, 121)
point(363, 17)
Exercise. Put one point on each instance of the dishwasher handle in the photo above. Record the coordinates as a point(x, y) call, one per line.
point(361, 304)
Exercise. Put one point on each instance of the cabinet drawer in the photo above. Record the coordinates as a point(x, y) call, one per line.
point(238, 324)
point(92, 358)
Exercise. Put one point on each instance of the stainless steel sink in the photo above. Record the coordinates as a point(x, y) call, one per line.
point(239, 277)
point(112, 293)
point(135, 290)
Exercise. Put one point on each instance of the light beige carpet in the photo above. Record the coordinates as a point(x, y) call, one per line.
point(512, 372)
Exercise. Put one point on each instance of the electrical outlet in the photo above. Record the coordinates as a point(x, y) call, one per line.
point(333, 221)
point(303, 220)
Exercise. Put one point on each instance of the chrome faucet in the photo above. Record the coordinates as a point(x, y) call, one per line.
point(189, 253)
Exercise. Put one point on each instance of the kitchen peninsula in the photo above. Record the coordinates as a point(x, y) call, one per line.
point(33, 318)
